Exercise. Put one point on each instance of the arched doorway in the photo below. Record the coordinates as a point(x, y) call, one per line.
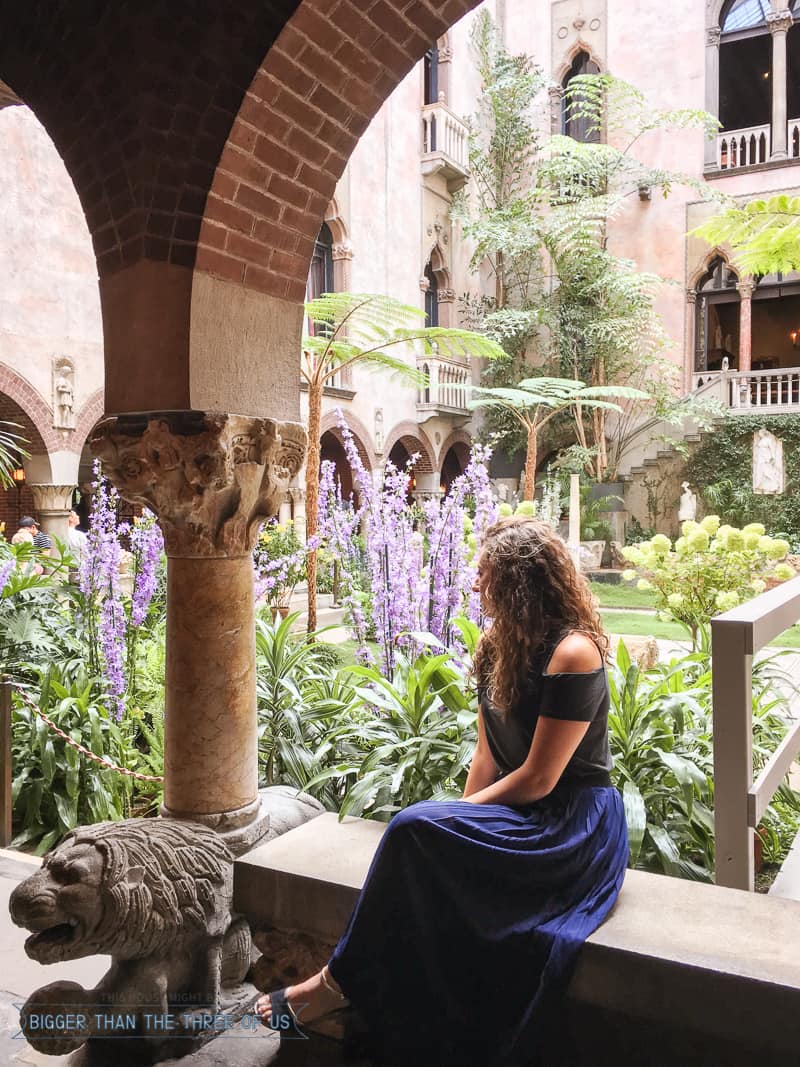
point(454, 464)
point(717, 317)
point(332, 451)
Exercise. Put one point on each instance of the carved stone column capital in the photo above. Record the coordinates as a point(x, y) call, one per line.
point(342, 250)
point(779, 21)
point(445, 296)
point(52, 499)
point(210, 477)
point(691, 296)
point(745, 288)
point(713, 34)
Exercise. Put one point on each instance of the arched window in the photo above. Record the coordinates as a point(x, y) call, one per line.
point(576, 126)
point(431, 76)
point(745, 77)
point(431, 297)
point(717, 317)
point(320, 273)
point(741, 15)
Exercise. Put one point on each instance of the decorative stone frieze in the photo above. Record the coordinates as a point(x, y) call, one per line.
point(210, 477)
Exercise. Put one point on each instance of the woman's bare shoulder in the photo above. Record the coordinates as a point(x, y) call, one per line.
point(575, 654)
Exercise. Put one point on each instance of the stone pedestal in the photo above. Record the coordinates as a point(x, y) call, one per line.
point(211, 478)
point(53, 504)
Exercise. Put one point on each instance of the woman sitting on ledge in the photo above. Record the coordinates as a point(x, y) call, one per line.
point(473, 912)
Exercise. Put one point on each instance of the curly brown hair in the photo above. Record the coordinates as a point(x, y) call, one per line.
point(535, 593)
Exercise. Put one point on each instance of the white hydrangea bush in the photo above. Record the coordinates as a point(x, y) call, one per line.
point(710, 569)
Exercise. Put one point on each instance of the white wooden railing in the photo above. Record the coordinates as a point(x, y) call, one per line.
point(743, 148)
point(756, 390)
point(739, 802)
point(448, 384)
point(443, 131)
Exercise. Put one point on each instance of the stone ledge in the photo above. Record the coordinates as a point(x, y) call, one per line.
point(717, 969)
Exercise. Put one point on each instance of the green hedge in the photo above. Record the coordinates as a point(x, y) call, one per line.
point(722, 471)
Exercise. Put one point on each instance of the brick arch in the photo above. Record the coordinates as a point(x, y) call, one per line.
point(37, 416)
point(206, 146)
point(414, 439)
point(361, 435)
point(311, 99)
point(91, 413)
point(457, 437)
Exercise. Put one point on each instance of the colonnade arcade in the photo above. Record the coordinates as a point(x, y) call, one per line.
point(205, 154)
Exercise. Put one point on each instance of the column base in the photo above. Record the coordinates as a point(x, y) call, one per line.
point(241, 829)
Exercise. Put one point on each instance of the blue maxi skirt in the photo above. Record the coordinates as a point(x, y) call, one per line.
point(465, 935)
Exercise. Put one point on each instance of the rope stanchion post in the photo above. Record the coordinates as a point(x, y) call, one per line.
point(5, 761)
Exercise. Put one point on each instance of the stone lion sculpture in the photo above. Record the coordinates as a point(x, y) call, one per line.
point(155, 895)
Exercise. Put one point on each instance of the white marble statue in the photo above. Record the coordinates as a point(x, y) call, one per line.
point(687, 508)
point(502, 492)
point(64, 395)
point(379, 431)
point(768, 469)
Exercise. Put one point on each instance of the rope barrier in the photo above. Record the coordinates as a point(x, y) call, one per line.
point(104, 763)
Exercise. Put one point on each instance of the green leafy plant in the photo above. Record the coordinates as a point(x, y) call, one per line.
point(55, 788)
point(710, 569)
point(661, 736)
point(722, 469)
point(418, 740)
point(301, 706)
point(764, 234)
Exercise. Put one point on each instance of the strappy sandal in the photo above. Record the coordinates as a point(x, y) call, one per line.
point(282, 1016)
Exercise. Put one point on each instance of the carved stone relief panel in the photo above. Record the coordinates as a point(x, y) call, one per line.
point(577, 23)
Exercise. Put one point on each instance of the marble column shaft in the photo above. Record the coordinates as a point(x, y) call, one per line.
point(745, 326)
point(779, 23)
point(211, 478)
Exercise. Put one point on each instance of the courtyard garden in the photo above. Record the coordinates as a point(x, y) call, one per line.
point(387, 717)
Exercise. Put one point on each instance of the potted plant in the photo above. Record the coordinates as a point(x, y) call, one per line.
point(280, 565)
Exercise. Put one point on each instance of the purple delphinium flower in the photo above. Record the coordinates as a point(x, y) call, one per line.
point(100, 584)
point(420, 559)
point(6, 569)
point(147, 545)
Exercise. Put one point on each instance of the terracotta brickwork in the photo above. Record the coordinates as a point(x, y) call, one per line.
point(326, 76)
point(143, 106)
point(21, 403)
point(414, 439)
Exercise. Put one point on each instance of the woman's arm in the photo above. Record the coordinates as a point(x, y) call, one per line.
point(554, 740)
point(483, 770)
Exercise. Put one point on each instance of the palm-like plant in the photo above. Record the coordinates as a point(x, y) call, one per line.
point(358, 329)
point(12, 450)
point(535, 401)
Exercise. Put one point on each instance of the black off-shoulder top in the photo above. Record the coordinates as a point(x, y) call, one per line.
point(577, 697)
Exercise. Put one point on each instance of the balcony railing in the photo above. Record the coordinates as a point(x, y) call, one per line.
point(740, 803)
point(743, 148)
point(448, 386)
point(757, 391)
point(444, 144)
